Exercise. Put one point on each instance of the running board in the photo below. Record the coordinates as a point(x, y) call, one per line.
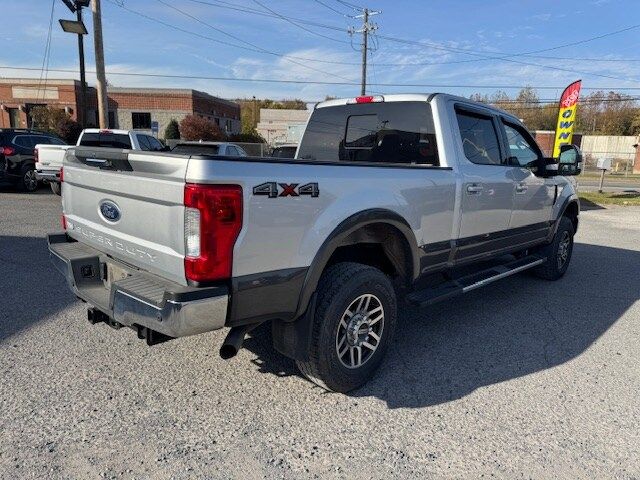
point(471, 282)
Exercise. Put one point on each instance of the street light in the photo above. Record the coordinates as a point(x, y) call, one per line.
point(73, 26)
point(78, 27)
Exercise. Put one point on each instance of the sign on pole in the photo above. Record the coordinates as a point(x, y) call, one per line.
point(154, 128)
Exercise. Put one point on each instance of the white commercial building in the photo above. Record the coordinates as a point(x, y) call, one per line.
point(279, 126)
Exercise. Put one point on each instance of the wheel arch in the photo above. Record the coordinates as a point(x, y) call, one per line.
point(380, 227)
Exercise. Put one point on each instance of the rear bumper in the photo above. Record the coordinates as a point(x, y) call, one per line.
point(48, 175)
point(139, 299)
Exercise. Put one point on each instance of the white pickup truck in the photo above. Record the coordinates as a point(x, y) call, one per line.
point(402, 197)
point(49, 157)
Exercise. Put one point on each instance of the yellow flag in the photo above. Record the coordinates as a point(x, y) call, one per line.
point(566, 116)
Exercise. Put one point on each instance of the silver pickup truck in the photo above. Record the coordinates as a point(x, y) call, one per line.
point(412, 198)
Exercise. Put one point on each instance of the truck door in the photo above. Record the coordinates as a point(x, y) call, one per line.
point(487, 183)
point(532, 195)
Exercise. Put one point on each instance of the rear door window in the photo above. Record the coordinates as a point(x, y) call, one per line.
point(395, 132)
point(24, 141)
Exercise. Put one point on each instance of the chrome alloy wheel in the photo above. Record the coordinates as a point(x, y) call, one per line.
point(564, 247)
point(360, 331)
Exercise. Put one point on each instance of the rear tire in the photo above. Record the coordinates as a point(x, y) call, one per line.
point(353, 326)
point(56, 188)
point(28, 181)
point(558, 252)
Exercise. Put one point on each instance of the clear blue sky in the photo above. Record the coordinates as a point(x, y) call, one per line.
point(461, 34)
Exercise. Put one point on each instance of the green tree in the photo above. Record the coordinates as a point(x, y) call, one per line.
point(172, 132)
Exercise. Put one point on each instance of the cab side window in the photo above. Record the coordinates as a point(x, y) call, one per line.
point(522, 149)
point(479, 138)
point(144, 143)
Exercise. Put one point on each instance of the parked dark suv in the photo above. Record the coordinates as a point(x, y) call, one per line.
point(17, 162)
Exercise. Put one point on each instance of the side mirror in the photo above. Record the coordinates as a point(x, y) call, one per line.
point(570, 160)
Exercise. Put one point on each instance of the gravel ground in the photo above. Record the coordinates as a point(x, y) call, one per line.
point(524, 378)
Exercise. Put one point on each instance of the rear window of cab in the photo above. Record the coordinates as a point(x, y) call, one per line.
point(395, 132)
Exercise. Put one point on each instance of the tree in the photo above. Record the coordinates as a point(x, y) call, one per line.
point(69, 130)
point(172, 132)
point(46, 118)
point(194, 127)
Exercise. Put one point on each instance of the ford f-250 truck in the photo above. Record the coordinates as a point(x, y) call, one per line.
point(404, 197)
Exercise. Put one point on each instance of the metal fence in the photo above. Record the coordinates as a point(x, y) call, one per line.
point(621, 163)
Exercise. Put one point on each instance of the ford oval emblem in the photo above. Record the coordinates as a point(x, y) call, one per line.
point(109, 211)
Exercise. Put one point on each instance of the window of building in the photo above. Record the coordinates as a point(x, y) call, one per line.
point(141, 120)
point(479, 138)
point(14, 117)
point(112, 120)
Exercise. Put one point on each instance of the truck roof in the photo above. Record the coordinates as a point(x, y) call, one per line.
point(112, 130)
point(408, 97)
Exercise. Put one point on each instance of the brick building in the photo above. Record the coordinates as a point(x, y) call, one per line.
point(128, 107)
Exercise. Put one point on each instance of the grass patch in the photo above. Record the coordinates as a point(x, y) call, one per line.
point(617, 177)
point(609, 198)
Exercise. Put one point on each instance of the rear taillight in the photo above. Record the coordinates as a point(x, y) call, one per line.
point(63, 220)
point(212, 222)
point(61, 174)
point(8, 151)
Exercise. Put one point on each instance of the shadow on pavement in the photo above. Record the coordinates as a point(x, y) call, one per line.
point(31, 289)
point(589, 205)
point(512, 328)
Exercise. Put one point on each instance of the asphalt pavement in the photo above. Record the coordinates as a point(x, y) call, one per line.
point(524, 378)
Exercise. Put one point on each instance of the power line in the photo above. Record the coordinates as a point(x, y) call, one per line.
point(351, 5)
point(331, 8)
point(227, 5)
point(230, 6)
point(296, 24)
point(504, 58)
point(319, 82)
point(222, 4)
point(47, 55)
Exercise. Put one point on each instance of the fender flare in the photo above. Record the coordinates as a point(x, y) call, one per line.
point(340, 233)
point(573, 199)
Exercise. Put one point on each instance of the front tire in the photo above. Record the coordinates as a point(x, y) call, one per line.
point(558, 252)
point(353, 326)
point(56, 188)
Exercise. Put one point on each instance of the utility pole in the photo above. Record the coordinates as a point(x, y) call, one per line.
point(366, 29)
point(83, 79)
point(101, 79)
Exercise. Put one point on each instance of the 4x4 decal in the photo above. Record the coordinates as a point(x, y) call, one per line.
point(275, 189)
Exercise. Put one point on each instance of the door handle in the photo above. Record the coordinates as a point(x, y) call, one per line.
point(474, 189)
point(521, 188)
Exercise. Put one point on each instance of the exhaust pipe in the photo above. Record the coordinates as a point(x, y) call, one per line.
point(233, 342)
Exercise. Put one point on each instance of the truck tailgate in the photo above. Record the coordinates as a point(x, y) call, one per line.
point(128, 205)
